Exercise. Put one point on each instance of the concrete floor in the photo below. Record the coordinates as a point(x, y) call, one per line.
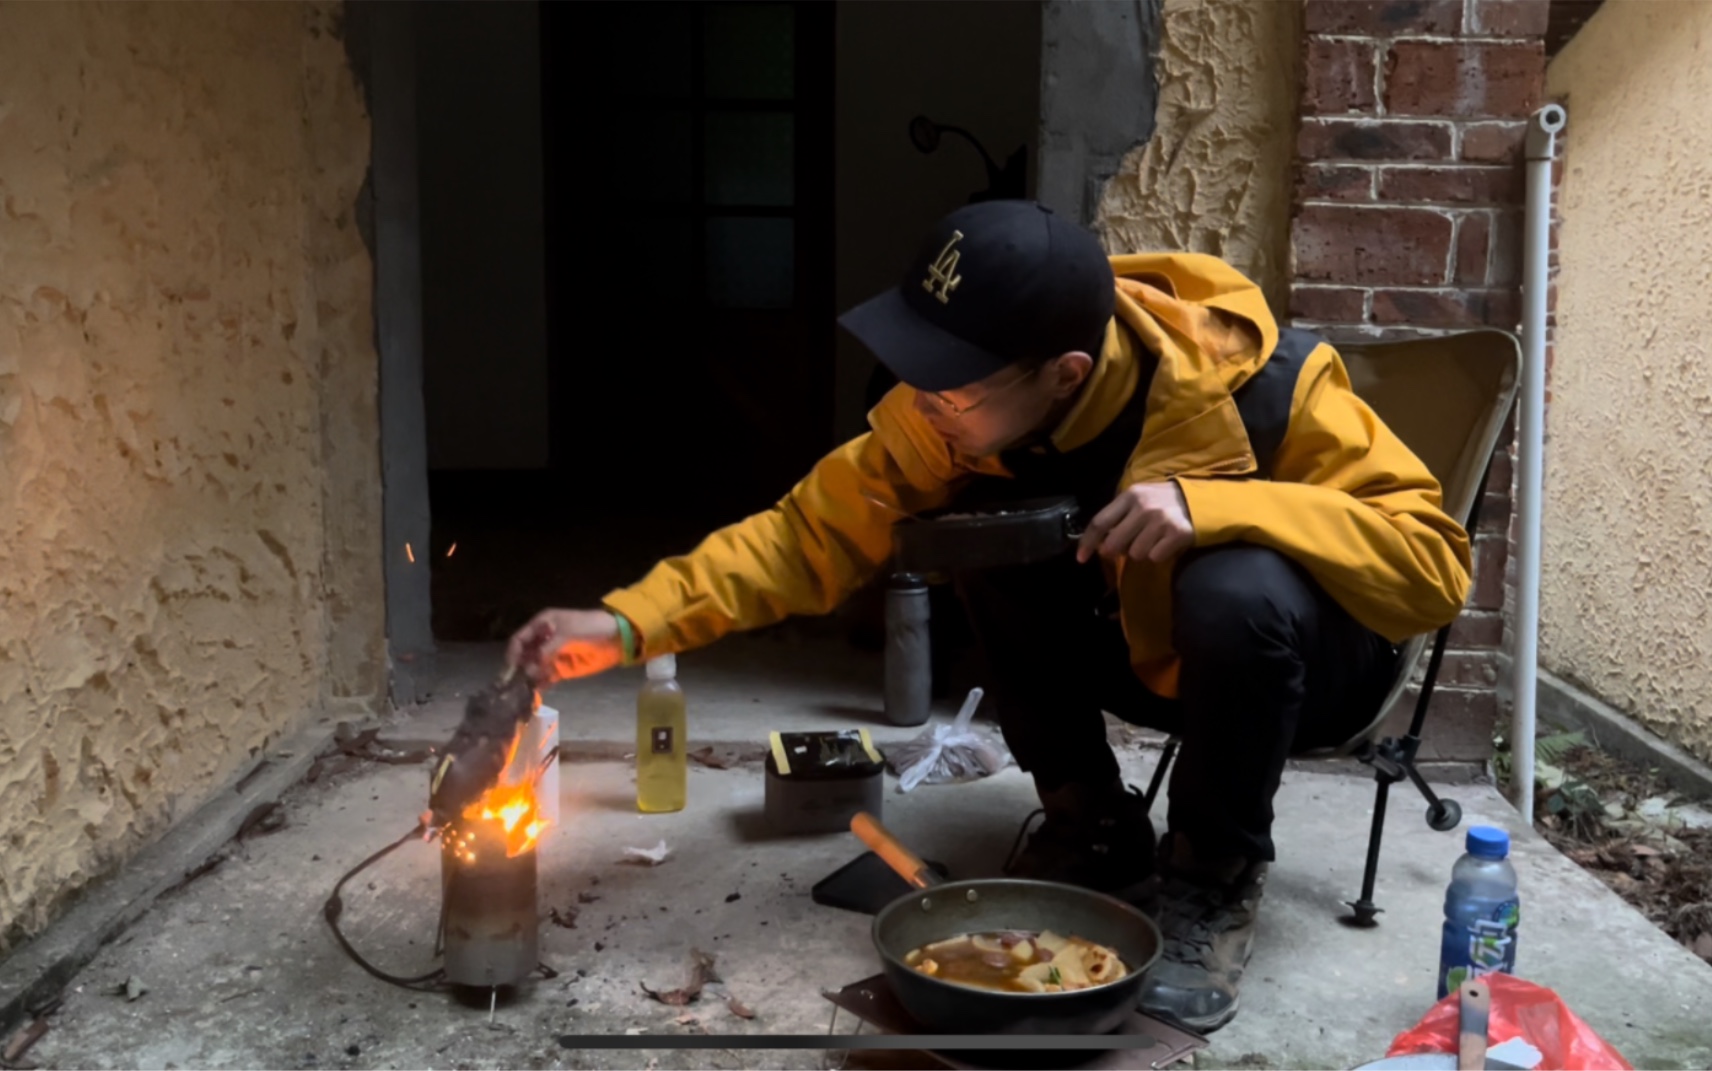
point(241, 972)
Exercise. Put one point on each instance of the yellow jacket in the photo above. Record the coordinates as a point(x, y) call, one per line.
point(1346, 499)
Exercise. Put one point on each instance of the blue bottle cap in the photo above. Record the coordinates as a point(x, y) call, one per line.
point(1488, 842)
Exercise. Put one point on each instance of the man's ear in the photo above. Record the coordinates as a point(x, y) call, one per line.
point(1067, 372)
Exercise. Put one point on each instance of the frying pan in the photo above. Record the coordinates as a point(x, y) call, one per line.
point(938, 910)
point(1018, 533)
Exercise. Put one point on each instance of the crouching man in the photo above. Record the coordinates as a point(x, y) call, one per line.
point(1259, 545)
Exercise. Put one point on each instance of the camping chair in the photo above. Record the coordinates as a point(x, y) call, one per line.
point(1447, 398)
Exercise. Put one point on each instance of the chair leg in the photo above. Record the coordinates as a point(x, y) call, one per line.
point(1165, 759)
point(1443, 815)
point(1393, 760)
point(1364, 912)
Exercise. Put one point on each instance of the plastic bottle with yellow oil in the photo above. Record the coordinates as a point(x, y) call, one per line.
point(662, 757)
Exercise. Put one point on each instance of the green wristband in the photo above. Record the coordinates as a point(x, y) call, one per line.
point(626, 637)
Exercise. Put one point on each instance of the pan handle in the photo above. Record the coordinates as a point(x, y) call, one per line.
point(907, 864)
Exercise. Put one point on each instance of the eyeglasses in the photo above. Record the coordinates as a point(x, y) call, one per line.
point(957, 411)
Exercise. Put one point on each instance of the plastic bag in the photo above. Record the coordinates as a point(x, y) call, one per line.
point(955, 752)
point(1520, 1009)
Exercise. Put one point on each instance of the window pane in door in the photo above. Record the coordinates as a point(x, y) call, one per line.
point(749, 51)
point(751, 263)
point(749, 158)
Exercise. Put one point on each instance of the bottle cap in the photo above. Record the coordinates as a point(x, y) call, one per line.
point(1488, 842)
point(663, 668)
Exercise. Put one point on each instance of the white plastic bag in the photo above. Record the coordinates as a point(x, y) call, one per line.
point(955, 752)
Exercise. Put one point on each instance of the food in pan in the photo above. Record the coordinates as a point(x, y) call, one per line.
point(1017, 961)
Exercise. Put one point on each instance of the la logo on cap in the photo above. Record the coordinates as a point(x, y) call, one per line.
point(942, 277)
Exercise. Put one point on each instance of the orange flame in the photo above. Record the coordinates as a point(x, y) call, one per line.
point(511, 808)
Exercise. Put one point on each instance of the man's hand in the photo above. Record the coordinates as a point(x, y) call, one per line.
point(564, 644)
point(1146, 522)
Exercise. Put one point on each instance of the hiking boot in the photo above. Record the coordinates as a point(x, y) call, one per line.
point(1206, 912)
point(1096, 838)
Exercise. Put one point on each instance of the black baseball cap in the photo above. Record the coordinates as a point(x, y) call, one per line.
point(994, 283)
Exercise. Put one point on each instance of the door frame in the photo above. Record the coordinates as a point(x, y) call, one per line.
point(405, 517)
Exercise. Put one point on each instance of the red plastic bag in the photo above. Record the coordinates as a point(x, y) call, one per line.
point(1519, 1010)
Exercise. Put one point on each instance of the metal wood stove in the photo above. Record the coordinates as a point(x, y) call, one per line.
point(490, 922)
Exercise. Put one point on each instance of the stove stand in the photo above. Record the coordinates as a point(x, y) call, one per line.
point(1141, 1042)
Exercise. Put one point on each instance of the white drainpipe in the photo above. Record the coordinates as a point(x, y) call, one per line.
point(1543, 128)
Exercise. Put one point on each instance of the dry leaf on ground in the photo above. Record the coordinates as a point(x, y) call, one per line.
point(701, 973)
point(706, 757)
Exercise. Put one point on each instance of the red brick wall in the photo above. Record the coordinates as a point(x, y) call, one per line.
point(1409, 194)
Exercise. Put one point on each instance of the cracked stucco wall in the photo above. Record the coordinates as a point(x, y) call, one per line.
point(189, 485)
point(1216, 175)
point(1625, 608)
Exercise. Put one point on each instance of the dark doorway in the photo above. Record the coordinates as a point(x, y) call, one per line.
point(630, 281)
point(684, 309)
point(689, 175)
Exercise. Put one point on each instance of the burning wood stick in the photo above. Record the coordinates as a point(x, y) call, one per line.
point(483, 743)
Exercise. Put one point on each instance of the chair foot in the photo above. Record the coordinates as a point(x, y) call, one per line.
point(1444, 815)
point(1364, 914)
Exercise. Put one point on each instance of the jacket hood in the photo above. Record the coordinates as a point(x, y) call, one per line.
point(1208, 324)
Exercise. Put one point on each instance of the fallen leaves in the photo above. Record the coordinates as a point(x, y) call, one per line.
point(706, 757)
point(263, 818)
point(353, 749)
point(566, 917)
point(701, 973)
point(1671, 886)
point(207, 866)
point(24, 1039)
point(1614, 823)
point(728, 756)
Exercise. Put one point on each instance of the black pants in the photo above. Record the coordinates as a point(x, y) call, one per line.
point(1271, 665)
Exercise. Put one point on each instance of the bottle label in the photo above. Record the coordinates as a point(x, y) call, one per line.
point(1487, 946)
point(662, 740)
